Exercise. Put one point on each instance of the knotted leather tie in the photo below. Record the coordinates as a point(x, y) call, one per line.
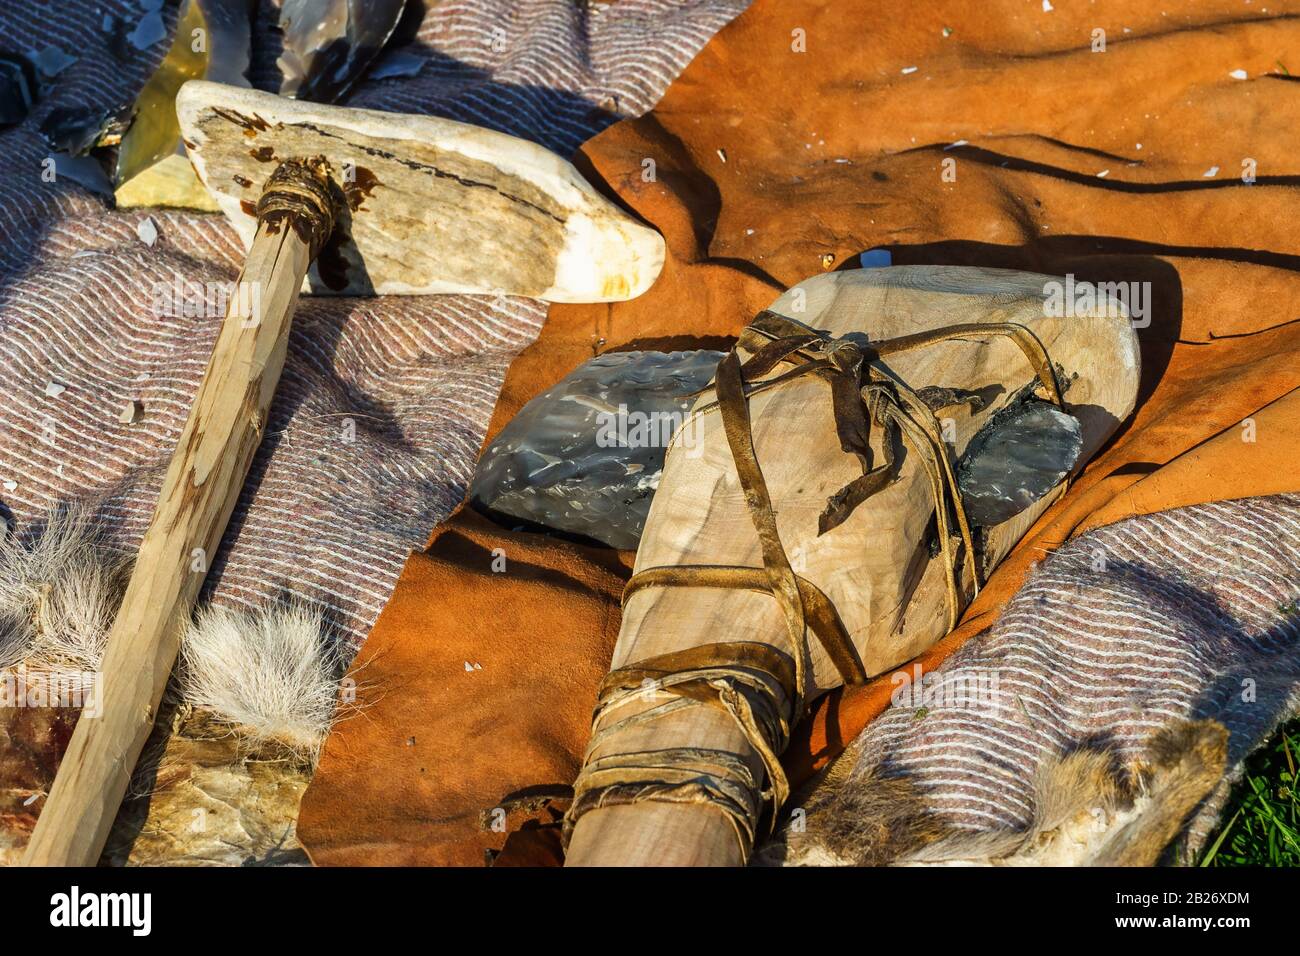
point(762, 688)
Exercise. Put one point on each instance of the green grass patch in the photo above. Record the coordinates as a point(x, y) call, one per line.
point(1261, 822)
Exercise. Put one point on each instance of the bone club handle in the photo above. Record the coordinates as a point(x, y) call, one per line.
point(202, 484)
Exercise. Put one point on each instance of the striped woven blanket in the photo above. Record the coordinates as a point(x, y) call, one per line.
point(1087, 723)
point(384, 402)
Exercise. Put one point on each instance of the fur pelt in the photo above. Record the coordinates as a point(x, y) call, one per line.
point(222, 776)
point(272, 674)
point(58, 593)
point(1088, 812)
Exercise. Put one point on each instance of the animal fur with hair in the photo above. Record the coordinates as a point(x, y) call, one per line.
point(58, 593)
point(272, 674)
point(1088, 812)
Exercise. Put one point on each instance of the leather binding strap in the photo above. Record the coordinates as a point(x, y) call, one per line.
point(762, 688)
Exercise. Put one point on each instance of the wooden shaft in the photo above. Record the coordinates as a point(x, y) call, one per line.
point(202, 484)
point(664, 834)
point(652, 833)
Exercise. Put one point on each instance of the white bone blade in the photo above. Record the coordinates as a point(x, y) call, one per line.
point(432, 205)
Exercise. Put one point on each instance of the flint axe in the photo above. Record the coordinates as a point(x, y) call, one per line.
point(335, 200)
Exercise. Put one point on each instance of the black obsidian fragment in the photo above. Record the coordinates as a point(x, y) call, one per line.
point(1020, 455)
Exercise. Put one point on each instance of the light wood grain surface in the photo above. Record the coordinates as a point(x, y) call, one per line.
point(200, 489)
point(866, 564)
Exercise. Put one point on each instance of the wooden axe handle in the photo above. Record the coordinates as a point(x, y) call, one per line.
point(203, 482)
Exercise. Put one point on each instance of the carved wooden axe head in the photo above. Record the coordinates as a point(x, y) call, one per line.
point(425, 205)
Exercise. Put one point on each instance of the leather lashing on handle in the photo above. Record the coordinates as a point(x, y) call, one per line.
point(762, 688)
point(300, 195)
